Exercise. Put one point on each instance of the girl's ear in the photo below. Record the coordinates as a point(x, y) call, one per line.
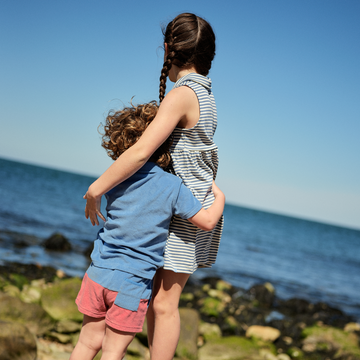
point(166, 50)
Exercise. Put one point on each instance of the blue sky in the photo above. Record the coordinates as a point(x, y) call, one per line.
point(286, 78)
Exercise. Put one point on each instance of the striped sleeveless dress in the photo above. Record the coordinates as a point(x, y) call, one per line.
point(195, 161)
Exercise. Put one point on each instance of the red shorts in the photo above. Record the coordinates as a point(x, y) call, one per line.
point(96, 301)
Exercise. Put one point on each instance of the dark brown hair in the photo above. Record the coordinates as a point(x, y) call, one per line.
point(124, 128)
point(191, 41)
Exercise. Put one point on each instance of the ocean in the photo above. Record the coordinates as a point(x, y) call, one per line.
point(300, 258)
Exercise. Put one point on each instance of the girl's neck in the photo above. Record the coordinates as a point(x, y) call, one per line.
point(176, 73)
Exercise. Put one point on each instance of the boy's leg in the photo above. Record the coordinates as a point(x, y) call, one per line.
point(90, 340)
point(115, 343)
point(163, 315)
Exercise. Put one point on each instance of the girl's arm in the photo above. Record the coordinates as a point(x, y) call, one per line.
point(207, 219)
point(174, 108)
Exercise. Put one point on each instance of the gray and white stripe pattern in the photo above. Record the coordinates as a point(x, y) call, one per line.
point(195, 161)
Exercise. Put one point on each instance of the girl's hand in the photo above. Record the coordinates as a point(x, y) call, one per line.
point(92, 208)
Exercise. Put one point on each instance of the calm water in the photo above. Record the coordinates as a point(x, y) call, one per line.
point(315, 261)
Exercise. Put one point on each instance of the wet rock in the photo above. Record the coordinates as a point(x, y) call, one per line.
point(250, 316)
point(223, 285)
point(233, 348)
point(12, 290)
point(32, 315)
point(28, 271)
point(16, 342)
point(31, 294)
point(295, 353)
point(57, 242)
point(61, 338)
point(137, 350)
point(58, 300)
point(265, 333)
point(296, 306)
point(67, 326)
point(211, 307)
point(283, 357)
point(352, 327)
point(187, 346)
point(209, 331)
point(264, 294)
point(53, 350)
point(331, 340)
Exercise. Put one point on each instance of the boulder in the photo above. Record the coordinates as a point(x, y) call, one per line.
point(266, 333)
point(57, 242)
point(209, 331)
point(61, 338)
point(32, 315)
point(30, 294)
point(332, 340)
point(233, 348)
point(16, 342)
point(58, 300)
point(352, 326)
point(296, 306)
point(211, 307)
point(264, 294)
point(138, 350)
point(67, 326)
point(223, 285)
point(189, 330)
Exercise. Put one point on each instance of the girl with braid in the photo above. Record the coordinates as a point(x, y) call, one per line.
point(187, 114)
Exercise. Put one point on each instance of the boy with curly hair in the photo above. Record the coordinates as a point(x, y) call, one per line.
point(117, 286)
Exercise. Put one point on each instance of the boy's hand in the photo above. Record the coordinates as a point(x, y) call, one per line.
point(215, 189)
point(92, 209)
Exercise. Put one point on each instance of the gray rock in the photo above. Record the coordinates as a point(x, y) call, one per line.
point(209, 331)
point(16, 342)
point(59, 300)
point(230, 348)
point(57, 242)
point(266, 333)
point(67, 326)
point(32, 315)
point(187, 346)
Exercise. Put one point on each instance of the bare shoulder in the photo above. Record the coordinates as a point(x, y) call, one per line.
point(181, 93)
point(184, 102)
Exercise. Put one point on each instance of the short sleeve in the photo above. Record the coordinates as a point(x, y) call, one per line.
point(186, 204)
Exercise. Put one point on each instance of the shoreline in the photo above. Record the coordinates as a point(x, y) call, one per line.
point(57, 246)
point(218, 314)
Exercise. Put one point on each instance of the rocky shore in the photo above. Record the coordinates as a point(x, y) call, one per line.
point(40, 321)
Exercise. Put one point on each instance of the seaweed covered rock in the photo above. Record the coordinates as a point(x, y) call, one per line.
point(16, 342)
point(12, 309)
point(58, 300)
point(57, 242)
point(263, 294)
point(187, 346)
point(335, 342)
point(234, 348)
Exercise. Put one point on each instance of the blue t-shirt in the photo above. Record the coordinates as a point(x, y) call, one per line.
point(139, 211)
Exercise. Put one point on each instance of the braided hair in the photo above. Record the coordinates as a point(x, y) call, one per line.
point(190, 41)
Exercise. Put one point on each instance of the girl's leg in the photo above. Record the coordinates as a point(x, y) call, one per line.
point(90, 340)
point(163, 317)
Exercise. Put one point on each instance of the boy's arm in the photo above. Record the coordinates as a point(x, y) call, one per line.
point(207, 219)
point(171, 111)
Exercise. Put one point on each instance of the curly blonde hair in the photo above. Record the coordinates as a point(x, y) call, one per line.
point(124, 128)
